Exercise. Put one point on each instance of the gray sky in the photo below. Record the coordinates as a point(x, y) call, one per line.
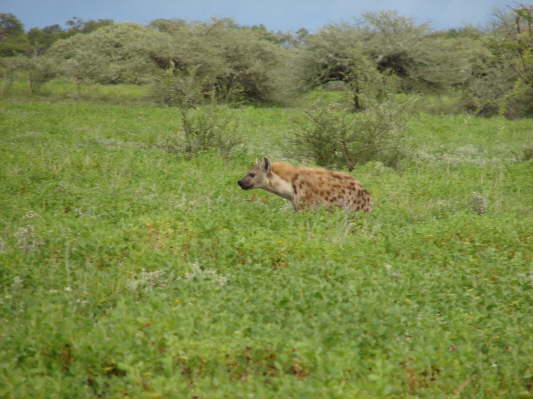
point(274, 14)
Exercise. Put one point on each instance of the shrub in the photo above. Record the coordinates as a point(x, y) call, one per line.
point(183, 89)
point(518, 103)
point(211, 128)
point(83, 67)
point(487, 87)
point(35, 70)
point(118, 53)
point(40, 70)
point(336, 138)
point(9, 71)
point(503, 81)
point(231, 62)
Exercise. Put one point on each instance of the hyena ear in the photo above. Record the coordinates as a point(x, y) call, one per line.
point(267, 165)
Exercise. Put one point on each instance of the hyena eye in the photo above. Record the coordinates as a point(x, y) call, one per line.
point(252, 175)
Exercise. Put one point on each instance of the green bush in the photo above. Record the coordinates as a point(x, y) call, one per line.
point(119, 53)
point(211, 128)
point(183, 89)
point(40, 71)
point(496, 89)
point(487, 88)
point(9, 72)
point(36, 71)
point(388, 43)
point(503, 79)
point(333, 137)
point(518, 102)
point(231, 62)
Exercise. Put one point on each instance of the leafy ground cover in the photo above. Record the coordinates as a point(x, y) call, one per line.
point(127, 272)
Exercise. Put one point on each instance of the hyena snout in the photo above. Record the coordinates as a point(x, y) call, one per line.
point(245, 185)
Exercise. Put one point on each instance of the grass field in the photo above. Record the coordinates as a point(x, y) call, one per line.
point(60, 90)
point(127, 272)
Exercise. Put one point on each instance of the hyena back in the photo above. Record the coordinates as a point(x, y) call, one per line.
point(308, 187)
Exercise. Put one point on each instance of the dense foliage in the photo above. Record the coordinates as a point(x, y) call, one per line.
point(227, 61)
point(117, 53)
point(489, 71)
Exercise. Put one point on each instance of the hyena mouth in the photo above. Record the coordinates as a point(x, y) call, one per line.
point(243, 185)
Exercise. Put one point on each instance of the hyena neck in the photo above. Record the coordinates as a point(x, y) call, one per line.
point(279, 186)
point(284, 170)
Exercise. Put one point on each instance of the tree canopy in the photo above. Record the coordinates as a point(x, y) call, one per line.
point(376, 53)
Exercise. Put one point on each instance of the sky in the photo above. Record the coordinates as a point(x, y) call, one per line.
point(284, 15)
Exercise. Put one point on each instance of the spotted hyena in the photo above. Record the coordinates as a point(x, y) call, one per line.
point(308, 187)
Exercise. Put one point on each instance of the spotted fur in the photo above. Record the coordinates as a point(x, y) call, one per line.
point(308, 187)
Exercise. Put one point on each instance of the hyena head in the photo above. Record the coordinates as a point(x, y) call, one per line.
point(257, 177)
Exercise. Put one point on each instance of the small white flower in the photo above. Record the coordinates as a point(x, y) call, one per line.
point(199, 274)
point(147, 281)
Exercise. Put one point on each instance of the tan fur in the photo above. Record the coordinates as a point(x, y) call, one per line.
point(308, 187)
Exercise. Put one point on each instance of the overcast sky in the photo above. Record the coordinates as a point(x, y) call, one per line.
point(274, 14)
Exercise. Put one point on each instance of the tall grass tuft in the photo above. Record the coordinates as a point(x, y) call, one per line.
point(479, 203)
point(210, 128)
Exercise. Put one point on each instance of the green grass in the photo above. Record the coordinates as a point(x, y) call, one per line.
point(59, 90)
point(125, 271)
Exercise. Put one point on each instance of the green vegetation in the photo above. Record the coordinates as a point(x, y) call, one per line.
point(489, 70)
point(335, 138)
point(212, 128)
point(128, 271)
point(132, 265)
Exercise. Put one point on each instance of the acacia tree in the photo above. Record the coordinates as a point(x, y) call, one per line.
point(42, 39)
point(513, 46)
point(119, 53)
point(223, 59)
point(503, 77)
point(385, 52)
point(336, 54)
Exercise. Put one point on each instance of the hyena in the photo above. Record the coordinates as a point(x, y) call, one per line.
point(308, 187)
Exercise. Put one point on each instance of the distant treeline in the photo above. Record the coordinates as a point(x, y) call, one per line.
point(379, 54)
